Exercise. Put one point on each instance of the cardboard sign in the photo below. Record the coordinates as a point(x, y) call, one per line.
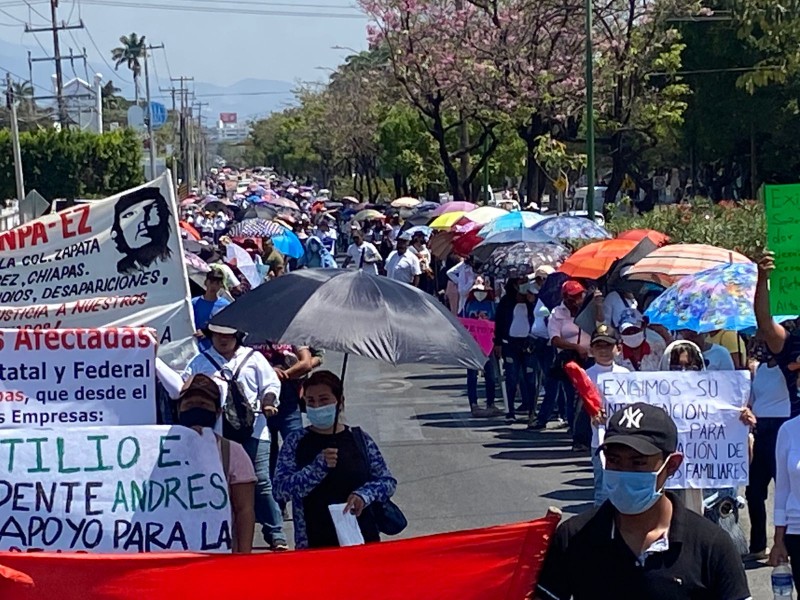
point(113, 489)
point(105, 263)
point(783, 238)
point(77, 377)
point(482, 331)
point(705, 406)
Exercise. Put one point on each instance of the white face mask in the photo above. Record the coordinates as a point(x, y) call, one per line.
point(634, 340)
point(480, 296)
point(523, 288)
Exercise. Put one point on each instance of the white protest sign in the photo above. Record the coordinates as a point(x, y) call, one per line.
point(106, 263)
point(705, 406)
point(113, 489)
point(77, 377)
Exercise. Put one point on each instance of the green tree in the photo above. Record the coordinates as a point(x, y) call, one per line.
point(72, 163)
point(132, 51)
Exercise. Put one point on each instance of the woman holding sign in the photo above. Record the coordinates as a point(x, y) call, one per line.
point(328, 466)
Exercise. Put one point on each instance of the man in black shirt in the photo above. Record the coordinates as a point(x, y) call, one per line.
point(641, 543)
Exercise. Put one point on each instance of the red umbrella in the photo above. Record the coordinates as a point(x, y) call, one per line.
point(637, 235)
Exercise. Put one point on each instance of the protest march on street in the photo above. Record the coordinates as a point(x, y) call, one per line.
point(184, 392)
point(391, 299)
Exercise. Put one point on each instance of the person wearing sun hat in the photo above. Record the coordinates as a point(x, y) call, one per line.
point(642, 542)
point(227, 361)
point(480, 305)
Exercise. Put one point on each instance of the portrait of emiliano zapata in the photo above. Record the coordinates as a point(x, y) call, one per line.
point(141, 229)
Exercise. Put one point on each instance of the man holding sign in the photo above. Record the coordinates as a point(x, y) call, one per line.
point(642, 542)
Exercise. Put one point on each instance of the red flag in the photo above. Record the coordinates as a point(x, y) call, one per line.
point(587, 390)
point(497, 563)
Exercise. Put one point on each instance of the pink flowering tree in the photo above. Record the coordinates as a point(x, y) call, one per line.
point(432, 49)
point(535, 53)
point(640, 96)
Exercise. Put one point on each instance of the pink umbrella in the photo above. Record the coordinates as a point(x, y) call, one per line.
point(454, 206)
point(284, 202)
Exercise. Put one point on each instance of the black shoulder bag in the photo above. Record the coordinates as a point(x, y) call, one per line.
point(388, 516)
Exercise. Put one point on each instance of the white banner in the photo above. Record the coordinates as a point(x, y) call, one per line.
point(77, 377)
point(705, 406)
point(107, 263)
point(99, 489)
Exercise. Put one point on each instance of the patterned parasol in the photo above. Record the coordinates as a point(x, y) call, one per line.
point(718, 298)
point(256, 228)
point(523, 259)
point(572, 228)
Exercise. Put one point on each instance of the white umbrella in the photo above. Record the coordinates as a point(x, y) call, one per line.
point(406, 202)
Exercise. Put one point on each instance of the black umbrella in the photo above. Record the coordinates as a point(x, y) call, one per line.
point(511, 236)
point(521, 259)
point(260, 211)
point(354, 312)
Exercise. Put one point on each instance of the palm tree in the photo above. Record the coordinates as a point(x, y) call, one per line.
point(110, 99)
point(23, 93)
point(132, 50)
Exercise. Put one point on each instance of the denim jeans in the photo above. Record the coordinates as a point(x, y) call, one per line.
point(540, 363)
point(516, 364)
point(597, 469)
point(267, 512)
point(490, 380)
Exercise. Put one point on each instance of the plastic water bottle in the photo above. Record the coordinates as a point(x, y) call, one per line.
point(782, 582)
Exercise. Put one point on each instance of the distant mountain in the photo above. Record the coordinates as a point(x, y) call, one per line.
point(246, 97)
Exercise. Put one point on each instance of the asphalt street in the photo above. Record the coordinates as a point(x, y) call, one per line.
point(455, 472)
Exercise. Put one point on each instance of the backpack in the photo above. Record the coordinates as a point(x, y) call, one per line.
point(238, 415)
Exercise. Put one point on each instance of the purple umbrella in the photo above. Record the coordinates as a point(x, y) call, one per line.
point(448, 207)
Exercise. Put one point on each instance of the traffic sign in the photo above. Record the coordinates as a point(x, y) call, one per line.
point(136, 118)
point(158, 114)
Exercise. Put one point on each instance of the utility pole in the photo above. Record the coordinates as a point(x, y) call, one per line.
point(589, 114)
point(55, 28)
point(149, 113)
point(201, 145)
point(11, 102)
point(184, 129)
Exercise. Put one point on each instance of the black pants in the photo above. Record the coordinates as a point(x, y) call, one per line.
point(762, 471)
point(792, 543)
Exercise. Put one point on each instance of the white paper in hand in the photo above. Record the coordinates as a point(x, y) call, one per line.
point(347, 529)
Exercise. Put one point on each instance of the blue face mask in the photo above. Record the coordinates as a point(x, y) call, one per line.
point(322, 417)
point(632, 492)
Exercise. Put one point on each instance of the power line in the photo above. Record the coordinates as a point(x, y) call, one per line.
point(221, 10)
point(166, 61)
point(30, 7)
point(102, 56)
point(8, 14)
point(270, 4)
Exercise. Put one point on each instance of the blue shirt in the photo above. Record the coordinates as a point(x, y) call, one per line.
point(205, 309)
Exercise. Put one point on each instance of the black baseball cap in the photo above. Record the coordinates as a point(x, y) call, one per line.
point(647, 429)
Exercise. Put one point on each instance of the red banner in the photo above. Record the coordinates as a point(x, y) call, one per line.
point(228, 117)
point(497, 563)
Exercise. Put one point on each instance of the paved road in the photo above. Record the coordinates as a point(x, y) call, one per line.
point(455, 472)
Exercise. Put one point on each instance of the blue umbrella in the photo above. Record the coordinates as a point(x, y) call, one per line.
point(423, 229)
point(288, 243)
point(717, 298)
point(513, 220)
point(572, 228)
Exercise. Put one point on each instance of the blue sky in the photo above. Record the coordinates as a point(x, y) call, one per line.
point(220, 47)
